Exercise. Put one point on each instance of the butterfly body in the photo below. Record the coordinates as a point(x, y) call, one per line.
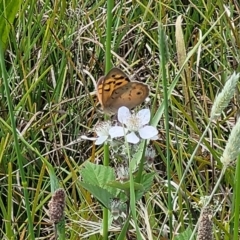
point(116, 90)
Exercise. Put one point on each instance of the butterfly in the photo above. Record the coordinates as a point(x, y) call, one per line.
point(116, 90)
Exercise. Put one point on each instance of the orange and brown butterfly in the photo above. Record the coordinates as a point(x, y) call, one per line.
point(116, 90)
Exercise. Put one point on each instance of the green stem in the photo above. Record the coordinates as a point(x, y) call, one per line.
point(107, 68)
point(236, 201)
point(16, 144)
point(162, 47)
point(109, 35)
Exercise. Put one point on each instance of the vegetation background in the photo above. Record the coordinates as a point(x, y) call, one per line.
point(53, 52)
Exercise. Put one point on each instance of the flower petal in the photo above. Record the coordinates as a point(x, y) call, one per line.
point(154, 137)
point(102, 128)
point(101, 140)
point(117, 131)
point(132, 138)
point(88, 138)
point(101, 133)
point(148, 132)
point(123, 114)
point(144, 116)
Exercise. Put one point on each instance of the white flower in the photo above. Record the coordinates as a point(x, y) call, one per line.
point(102, 131)
point(133, 123)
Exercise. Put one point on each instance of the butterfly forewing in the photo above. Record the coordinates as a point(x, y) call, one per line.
point(116, 90)
point(115, 79)
point(107, 85)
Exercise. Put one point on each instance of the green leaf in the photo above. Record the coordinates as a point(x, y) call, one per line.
point(184, 235)
point(137, 156)
point(146, 182)
point(125, 185)
point(102, 195)
point(98, 175)
point(8, 11)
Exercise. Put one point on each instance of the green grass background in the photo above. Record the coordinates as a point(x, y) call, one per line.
point(53, 52)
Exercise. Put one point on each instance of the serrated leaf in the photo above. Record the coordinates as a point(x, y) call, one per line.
point(125, 186)
point(184, 235)
point(137, 156)
point(98, 175)
point(102, 195)
point(146, 182)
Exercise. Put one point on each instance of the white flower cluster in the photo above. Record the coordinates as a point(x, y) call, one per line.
point(133, 126)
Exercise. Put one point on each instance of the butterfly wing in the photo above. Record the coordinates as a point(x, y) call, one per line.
point(106, 85)
point(116, 90)
point(129, 95)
